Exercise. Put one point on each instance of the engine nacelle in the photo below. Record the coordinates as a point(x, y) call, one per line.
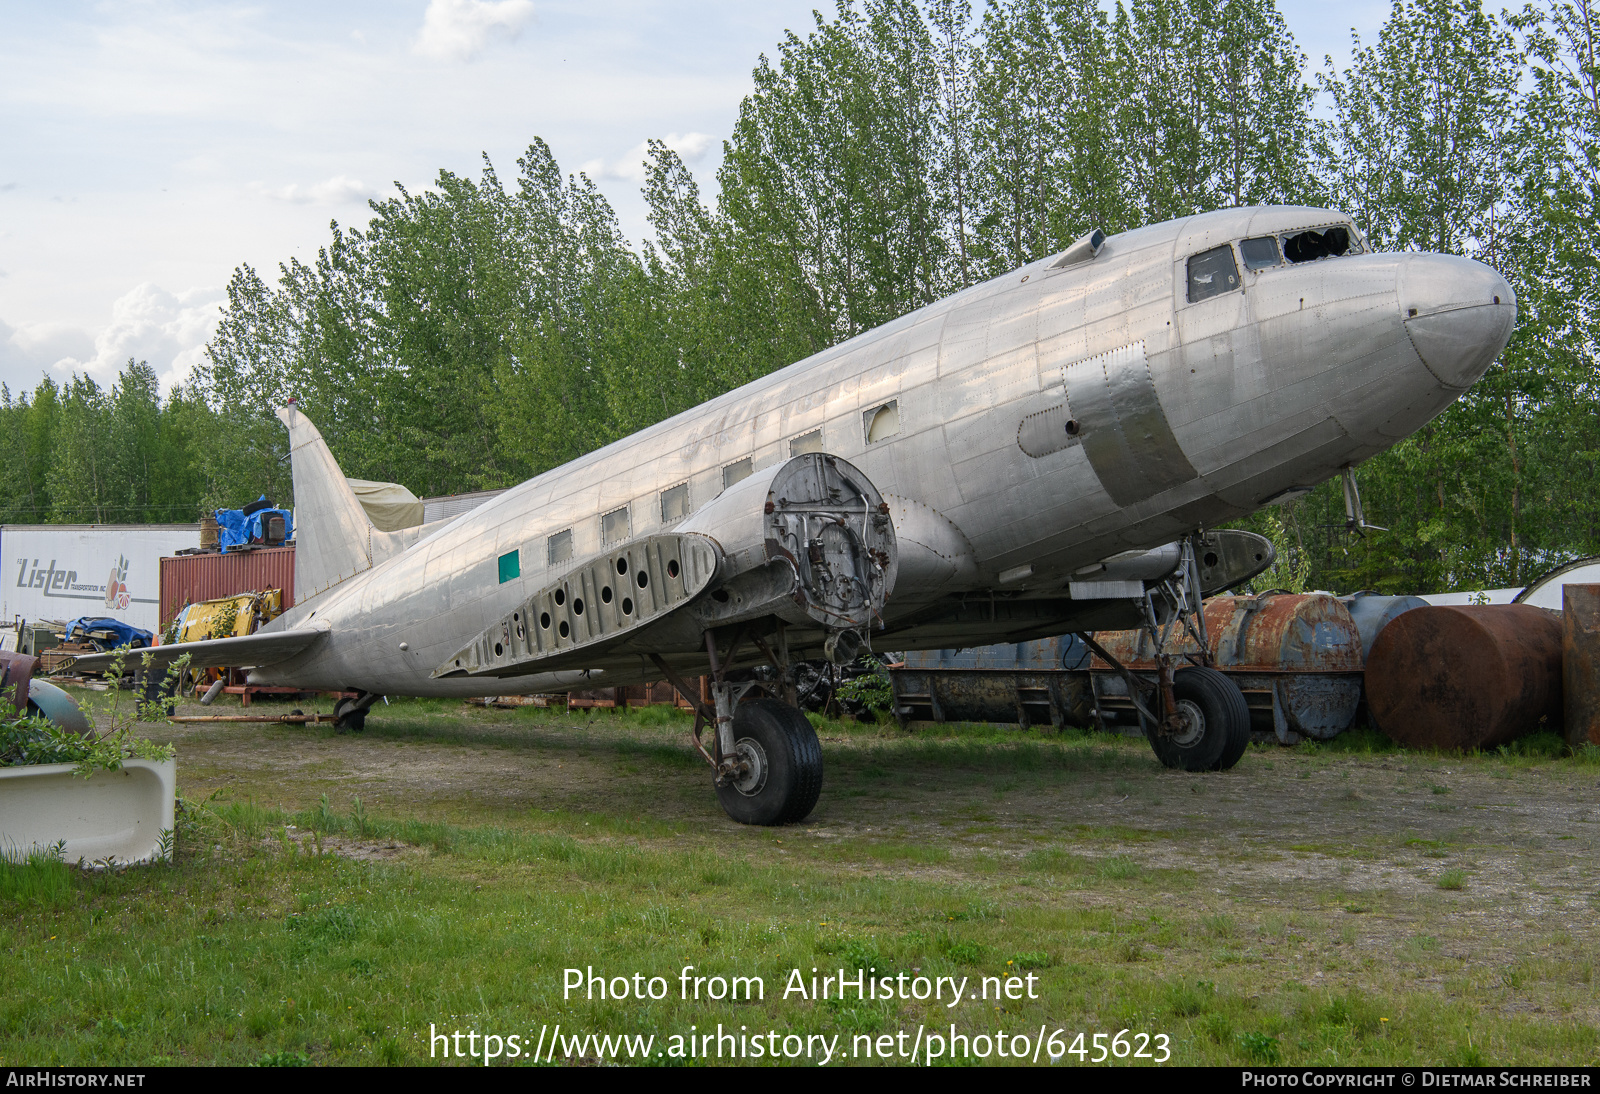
point(809, 540)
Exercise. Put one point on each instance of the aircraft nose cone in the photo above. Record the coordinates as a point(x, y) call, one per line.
point(1459, 314)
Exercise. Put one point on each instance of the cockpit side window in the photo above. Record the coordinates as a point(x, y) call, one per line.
point(1211, 273)
point(1312, 245)
point(1260, 252)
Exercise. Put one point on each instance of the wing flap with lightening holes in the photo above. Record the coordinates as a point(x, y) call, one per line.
point(595, 606)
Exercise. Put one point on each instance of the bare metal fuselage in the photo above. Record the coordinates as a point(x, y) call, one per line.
point(1046, 420)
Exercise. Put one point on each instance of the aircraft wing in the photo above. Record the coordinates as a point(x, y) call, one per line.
point(600, 608)
point(246, 651)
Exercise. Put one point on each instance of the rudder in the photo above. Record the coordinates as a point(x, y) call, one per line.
point(333, 538)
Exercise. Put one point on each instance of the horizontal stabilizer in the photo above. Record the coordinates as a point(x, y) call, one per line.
point(247, 651)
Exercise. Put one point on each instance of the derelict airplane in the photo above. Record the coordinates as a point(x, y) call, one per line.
point(1037, 454)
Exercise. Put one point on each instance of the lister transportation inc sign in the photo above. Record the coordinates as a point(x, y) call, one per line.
point(70, 570)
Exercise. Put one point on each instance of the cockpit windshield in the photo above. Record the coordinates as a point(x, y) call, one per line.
point(1312, 245)
point(1213, 272)
point(1303, 245)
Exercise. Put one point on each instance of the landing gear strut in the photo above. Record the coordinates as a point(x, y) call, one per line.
point(764, 752)
point(1194, 717)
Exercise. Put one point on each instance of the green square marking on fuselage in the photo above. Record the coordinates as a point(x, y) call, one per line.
point(510, 566)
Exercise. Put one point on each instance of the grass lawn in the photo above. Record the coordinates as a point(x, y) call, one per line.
point(337, 898)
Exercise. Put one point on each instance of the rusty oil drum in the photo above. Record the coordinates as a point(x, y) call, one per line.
point(1580, 663)
point(1295, 656)
point(1021, 683)
point(1466, 676)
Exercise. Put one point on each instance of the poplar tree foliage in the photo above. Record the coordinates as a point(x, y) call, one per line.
point(891, 152)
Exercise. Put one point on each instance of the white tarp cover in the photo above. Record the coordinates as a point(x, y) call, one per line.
point(388, 505)
point(1480, 596)
point(62, 571)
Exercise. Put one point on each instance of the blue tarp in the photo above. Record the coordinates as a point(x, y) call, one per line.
point(234, 529)
point(80, 629)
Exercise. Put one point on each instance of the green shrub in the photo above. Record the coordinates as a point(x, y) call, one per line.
point(1260, 1047)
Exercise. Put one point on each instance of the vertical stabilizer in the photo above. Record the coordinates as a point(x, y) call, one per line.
point(333, 538)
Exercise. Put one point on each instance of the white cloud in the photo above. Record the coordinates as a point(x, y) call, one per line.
point(459, 30)
point(629, 167)
point(28, 351)
point(339, 190)
point(148, 323)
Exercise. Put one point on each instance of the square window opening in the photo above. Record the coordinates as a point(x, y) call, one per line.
point(560, 546)
point(806, 442)
point(510, 566)
point(738, 471)
point(882, 422)
point(1212, 273)
point(614, 526)
point(1260, 253)
point(675, 503)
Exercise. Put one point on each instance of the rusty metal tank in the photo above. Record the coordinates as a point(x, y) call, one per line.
point(1466, 676)
point(1023, 683)
point(1580, 663)
point(1295, 656)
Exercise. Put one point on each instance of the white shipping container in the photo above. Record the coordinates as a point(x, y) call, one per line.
point(63, 571)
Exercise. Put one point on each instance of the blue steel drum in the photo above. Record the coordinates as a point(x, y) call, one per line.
point(1372, 612)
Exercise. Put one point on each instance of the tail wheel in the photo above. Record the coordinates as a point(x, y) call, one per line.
point(1213, 723)
point(784, 765)
point(348, 715)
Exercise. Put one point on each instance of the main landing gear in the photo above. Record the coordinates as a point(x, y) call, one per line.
point(1194, 717)
point(765, 753)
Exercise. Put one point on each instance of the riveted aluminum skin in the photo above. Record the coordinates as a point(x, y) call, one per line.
point(1295, 656)
point(1464, 677)
point(1580, 664)
point(1188, 414)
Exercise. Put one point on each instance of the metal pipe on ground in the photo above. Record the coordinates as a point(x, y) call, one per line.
point(1580, 663)
point(288, 719)
point(1466, 676)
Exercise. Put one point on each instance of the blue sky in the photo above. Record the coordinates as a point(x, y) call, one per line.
point(148, 148)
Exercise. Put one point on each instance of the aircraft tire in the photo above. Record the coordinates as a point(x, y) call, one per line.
point(346, 720)
point(790, 777)
point(1238, 726)
point(1219, 721)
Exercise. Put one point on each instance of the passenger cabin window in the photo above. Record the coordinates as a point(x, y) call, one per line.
point(882, 422)
point(806, 442)
point(1260, 252)
point(1212, 273)
point(675, 503)
point(614, 526)
point(737, 472)
point(560, 546)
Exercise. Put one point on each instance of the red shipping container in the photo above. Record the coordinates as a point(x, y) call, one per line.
point(189, 579)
